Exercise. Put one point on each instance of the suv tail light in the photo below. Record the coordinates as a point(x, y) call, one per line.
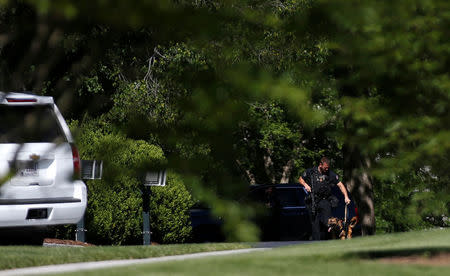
point(76, 162)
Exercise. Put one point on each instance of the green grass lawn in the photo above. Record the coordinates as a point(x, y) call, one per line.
point(350, 258)
point(25, 256)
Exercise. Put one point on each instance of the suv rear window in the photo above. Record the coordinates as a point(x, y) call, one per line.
point(29, 124)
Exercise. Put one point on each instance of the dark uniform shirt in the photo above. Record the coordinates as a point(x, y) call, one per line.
point(320, 184)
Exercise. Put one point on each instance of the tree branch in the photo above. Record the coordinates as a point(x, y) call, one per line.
point(249, 174)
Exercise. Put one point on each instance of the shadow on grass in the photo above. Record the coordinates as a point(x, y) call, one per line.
point(377, 254)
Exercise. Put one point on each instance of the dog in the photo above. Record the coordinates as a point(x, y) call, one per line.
point(338, 230)
point(350, 227)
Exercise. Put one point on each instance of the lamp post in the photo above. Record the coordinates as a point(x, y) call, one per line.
point(152, 178)
point(146, 234)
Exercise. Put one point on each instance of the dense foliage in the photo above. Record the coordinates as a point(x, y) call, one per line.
point(390, 66)
point(114, 215)
point(236, 92)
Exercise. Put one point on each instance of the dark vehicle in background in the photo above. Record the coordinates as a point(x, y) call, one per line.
point(281, 214)
point(281, 211)
point(205, 226)
point(284, 215)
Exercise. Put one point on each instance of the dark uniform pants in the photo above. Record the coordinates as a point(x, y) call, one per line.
point(319, 221)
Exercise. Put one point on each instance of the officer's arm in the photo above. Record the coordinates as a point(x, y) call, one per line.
point(344, 192)
point(304, 184)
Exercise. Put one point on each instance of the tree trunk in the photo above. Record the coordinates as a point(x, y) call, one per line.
point(248, 173)
point(359, 183)
point(268, 166)
point(287, 169)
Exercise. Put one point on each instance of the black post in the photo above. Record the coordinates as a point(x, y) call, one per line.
point(146, 214)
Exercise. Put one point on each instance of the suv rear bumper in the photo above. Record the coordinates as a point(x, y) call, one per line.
point(57, 211)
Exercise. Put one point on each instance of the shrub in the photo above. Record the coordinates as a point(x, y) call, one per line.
point(169, 211)
point(114, 213)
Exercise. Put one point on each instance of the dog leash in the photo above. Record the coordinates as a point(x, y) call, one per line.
point(345, 218)
point(345, 221)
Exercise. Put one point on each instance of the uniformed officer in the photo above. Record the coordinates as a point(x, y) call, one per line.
point(318, 182)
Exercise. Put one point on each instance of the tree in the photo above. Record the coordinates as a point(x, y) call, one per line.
point(373, 75)
point(389, 61)
point(274, 147)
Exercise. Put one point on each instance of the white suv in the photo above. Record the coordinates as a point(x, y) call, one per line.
point(39, 165)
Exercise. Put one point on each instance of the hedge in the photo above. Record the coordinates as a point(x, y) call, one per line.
point(114, 213)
